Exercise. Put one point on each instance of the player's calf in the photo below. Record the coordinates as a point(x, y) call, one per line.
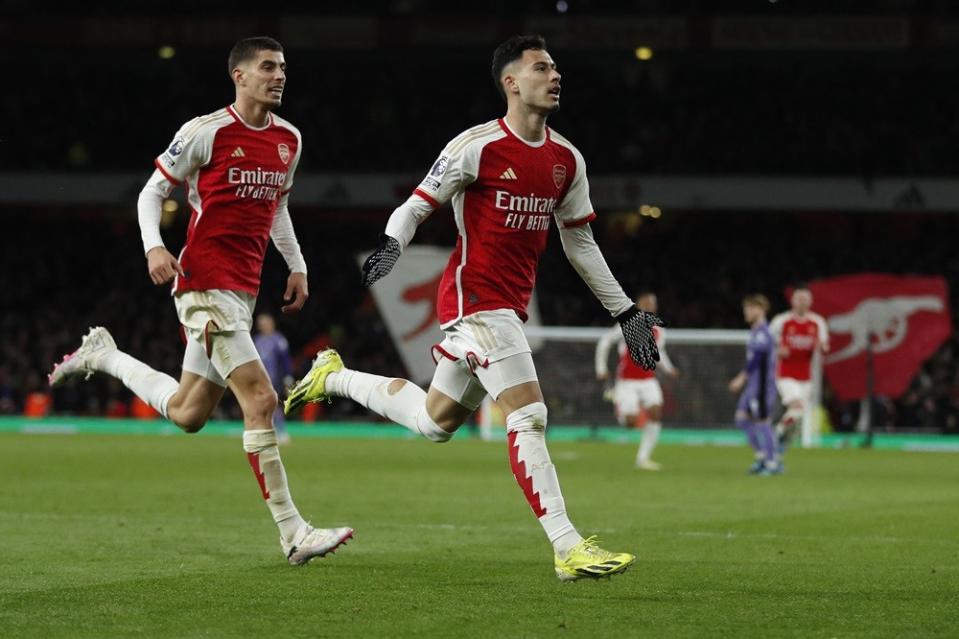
point(98, 353)
point(536, 475)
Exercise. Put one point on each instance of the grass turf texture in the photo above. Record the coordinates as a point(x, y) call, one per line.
point(168, 536)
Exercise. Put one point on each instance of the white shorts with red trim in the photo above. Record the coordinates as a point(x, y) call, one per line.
point(630, 395)
point(486, 352)
point(792, 390)
point(217, 326)
point(226, 310)
point(486, 336)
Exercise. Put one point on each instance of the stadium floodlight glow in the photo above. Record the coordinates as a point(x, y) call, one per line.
point(644, 209)
point(170, 206)
point(644, 53)
point(166, 52)
point(655, 212)
point(562, 6)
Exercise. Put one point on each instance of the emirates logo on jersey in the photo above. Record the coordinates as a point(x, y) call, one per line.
point(799, 341)
point(284, 152)
point(559, 175)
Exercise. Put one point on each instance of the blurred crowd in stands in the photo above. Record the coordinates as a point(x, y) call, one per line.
point(66, 272)
point(692, 111)
point(701, 112)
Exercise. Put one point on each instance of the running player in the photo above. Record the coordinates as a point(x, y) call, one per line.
point(757, 383)
point(274, 352)
point(637, 388)
point(237, 164)
point(507, 179)
point(798, 333)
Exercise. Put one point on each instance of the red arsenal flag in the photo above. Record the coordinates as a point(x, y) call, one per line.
point(904, 319)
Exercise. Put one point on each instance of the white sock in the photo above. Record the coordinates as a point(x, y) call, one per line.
point(406, 407)
point(536, 475)
point(152, 386)
point(264, 458)
point(648, 443)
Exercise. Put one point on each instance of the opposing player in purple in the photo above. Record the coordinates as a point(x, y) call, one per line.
point(274, 352)
point(757, 384)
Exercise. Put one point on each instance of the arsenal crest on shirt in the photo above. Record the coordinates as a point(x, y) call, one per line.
point(559, 175)
point(284, 152)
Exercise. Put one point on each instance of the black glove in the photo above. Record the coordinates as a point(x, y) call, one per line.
point(637, 328)
point(381, 261)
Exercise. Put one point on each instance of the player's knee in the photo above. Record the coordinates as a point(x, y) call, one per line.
point(529, 418)
point(192, 428)
point(186, 417)
point(264, 400)
point(448, 423)
point(438, 432)
point(190, 422)
point(446, 415)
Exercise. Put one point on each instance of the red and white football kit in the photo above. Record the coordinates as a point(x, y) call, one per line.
point(505, 192)
point(635, 387)
point(797, 338)
point(237, 178)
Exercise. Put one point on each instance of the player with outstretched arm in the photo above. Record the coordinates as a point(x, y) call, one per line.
point(507, 179)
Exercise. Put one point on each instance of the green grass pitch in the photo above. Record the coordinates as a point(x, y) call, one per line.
point(168, 537)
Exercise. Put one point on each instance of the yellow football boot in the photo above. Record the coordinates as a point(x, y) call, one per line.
point(587, 560)
point(312, 388)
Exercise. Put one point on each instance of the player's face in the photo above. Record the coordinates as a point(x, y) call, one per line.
point(537, 80)
point(648, 303)
point(801, 301)
point(752, 313)
point(263, 78)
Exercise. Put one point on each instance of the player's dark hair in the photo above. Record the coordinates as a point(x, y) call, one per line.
point(643, 292)
point(800, 286)
point(757, 299)
point(247, 48)
point(512, 50)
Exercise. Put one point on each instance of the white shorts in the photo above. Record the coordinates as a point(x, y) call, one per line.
point(217, 325)
point(629, 395)
point(485, 352)
point(226, 310)
point(793, 390)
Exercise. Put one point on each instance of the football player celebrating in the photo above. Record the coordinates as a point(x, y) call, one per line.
point(508, 179)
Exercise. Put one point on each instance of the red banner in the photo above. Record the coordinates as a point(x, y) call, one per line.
point(904, 320)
